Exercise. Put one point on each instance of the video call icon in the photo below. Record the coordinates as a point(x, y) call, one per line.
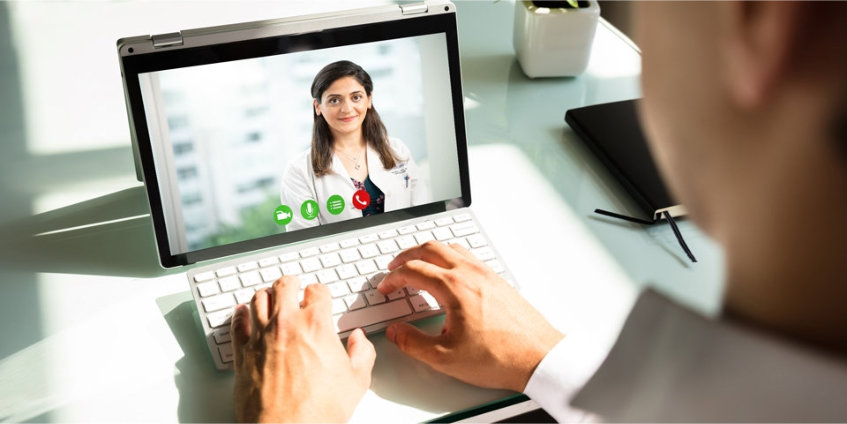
point(309, 209)
point(283, 215)
point(335, 204)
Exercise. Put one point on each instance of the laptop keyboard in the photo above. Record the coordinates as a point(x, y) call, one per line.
point(351, 268)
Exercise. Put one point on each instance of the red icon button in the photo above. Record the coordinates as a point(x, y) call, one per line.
point(361, 199)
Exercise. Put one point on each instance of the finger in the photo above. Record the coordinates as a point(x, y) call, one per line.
point(362, 355)
point(317, 297)
point(239, 329)
point(433, 252)
point(418, 274)
point(413, 342)
point(259, 312)
point(285, 295)
point(462, 250)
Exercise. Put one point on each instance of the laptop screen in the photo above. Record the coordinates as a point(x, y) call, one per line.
point(263, 142)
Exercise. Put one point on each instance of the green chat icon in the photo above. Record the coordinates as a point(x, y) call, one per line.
point(335, 204)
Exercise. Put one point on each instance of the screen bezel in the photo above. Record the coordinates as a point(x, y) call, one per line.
point(133, 65)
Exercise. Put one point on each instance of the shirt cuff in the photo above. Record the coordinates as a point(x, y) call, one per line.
point(560, 376)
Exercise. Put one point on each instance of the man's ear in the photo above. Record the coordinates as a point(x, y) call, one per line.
point(763, 40)
point(317, 107)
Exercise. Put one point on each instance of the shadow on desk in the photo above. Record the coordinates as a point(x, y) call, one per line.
point(108, 235)
point(205, 394)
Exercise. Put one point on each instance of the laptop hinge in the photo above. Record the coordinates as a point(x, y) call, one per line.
point(167, 40)
point(414, 9)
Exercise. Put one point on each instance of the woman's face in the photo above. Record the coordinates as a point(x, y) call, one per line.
point(344, 105)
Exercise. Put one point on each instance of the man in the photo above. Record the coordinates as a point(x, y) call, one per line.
point(745, 106)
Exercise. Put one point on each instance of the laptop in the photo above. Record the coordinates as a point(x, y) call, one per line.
point(232, 149)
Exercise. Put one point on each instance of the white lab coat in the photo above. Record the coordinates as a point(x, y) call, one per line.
point(299, 184)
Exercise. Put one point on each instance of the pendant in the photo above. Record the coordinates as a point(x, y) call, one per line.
point(357, 166)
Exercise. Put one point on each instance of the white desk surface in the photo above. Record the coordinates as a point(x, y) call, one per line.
point(93, 330)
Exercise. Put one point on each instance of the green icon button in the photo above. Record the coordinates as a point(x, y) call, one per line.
point(335, 204)
point(283, 215)
point(309, 209)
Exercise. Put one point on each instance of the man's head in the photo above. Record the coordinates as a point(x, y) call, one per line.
point(744, 105)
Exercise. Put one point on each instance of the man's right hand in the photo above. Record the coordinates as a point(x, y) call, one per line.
point(492, 337)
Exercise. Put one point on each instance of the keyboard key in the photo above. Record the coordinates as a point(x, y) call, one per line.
point(461, 242)
point(372, 315)
point(366, 267)
point(477, 240)
point(358, 284)
point(338, 306)
point(406, 242)
point(229, 283)
point(204, 276)
point(423, 237)
point(207, 289)
point(330, 260)
point(412, 290)
point(369, 238)
point(374, 297)
point(462, 217)
point(383, 261)
point(349, 242)
point(442, 234)
point(247, 266)
point(270, 275)
point(496, 266)
point(444, 221)
point(464, 229)
point(312, 251)
point(338, 289)
point(288, 257)
point(310, 265)
point(222, 335)
point(350, 255)
point(307, 279)
point(226, 352)
point(244, 295)
point(223, 272)
point(216, 303)
point(220, 318)
point(250, 279)
point(368, 250)
point(407, 230)
point(377, 278)
point(387, 234)
point(397, 294)
point(330, 247)
point(423, 302)
point(291, 268)
point(346, 271)
point(483, 253)
point(355, 301)
point(326, 276)
point(266, 262)
point(426, 225)
point(387, 246)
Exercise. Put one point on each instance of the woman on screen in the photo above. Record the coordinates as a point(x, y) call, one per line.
point(353, 167)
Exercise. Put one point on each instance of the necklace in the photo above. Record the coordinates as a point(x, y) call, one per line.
point(354, 159)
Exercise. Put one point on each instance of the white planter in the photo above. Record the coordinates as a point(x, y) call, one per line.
point(554, 42)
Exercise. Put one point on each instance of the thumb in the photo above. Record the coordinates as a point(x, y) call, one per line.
point(362, 355)
point(412, 342)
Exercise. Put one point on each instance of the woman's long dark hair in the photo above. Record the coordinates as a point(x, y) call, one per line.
point(373, 130)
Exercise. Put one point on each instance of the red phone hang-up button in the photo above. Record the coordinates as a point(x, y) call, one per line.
point(361, 199)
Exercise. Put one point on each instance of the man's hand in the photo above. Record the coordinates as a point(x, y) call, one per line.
point(491, 337)
point(290, 364)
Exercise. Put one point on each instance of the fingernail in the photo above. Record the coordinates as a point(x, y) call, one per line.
point(390, 333)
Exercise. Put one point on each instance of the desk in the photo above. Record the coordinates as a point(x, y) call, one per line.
point(92, 329)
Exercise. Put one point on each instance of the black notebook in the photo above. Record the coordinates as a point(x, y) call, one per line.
point(613, 133)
